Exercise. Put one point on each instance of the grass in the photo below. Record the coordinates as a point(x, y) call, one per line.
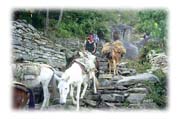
point(158, 91)
point(136, 64)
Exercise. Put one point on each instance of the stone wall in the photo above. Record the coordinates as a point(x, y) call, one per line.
point(71, 44)
point(31, 45)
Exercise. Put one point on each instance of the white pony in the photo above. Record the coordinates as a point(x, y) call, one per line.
point(47, 73)
point(75, 77)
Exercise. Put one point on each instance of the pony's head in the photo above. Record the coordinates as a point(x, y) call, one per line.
point(91, 59)
point(63, 91)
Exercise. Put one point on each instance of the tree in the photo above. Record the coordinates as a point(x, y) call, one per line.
point(60, 18)
point(154, 22)
point(47, 22)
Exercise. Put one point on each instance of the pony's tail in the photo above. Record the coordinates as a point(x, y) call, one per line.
point(31, 99)
point(65, 75)
point(57, 78)
point(54, 91)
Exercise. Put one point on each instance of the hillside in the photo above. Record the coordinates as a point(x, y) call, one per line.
point(142, 79)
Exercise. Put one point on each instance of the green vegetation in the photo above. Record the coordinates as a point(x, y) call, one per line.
point(140, 68)
point(154, 22)
point(74, 23)
point(125, 103)
point(77, 23)
point(158, 91)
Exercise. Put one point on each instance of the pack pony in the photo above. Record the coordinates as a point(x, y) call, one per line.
point(113, 52)
point(22, 95)
point(46, 74)
point(74, 76)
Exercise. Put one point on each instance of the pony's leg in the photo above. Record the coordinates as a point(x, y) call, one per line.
point(114, 67)
point(116, 70)
point(72, 94)
point(45, 77)
point(109, 62)
point(78, 95)
point(31, 99)
point(94, 82)
point(84, 90)
point(46, 96)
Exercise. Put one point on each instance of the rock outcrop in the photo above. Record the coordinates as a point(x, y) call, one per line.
point(158, 61)
point(132, 50)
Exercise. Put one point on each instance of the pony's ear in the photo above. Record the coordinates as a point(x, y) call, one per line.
point(77, 54)
point(81, 54)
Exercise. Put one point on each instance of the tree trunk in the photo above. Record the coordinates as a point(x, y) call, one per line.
point(47, 22)
point(60, 18)
point(39, 12)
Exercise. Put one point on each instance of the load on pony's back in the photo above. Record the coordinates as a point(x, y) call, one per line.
point(32, 75)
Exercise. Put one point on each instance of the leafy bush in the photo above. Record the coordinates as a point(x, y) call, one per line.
point(154, 22)
point(158, 91)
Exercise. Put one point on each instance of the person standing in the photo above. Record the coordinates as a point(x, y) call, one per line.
point(96, 38)
point(90, 44)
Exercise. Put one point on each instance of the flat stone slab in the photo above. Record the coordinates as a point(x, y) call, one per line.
point(136, 97)
point(89, 102)
point(112, 97)
point(105, 76)
point(129, 80)
point(138, 90)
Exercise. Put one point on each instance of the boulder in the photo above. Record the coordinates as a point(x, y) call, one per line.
point(132, 50)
